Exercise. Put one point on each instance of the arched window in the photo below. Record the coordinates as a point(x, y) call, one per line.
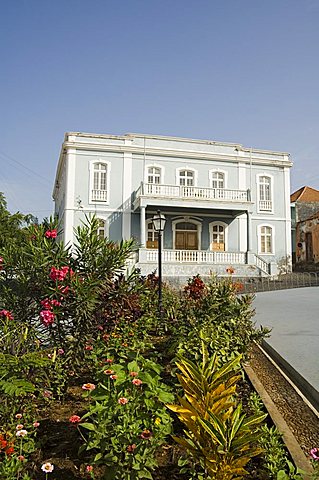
point(186, 178)
point(217, 180)
point(101, 229)
point(99, 182)
point(218, 238)
point(266, 241)
point(152, 235)
point(154, 175)
point(264, 193)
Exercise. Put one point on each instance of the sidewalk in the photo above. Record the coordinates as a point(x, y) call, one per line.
point(293, 316)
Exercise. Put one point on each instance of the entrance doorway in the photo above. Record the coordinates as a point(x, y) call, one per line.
point(186, 236)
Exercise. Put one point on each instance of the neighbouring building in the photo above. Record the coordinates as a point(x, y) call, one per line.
point(304, 204)
point(224, 204)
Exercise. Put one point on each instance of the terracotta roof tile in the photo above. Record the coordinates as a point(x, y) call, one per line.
point(305, 194)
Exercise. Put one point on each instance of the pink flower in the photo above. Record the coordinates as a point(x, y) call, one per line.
point(46, 304)
point(131, 448)
point(88, 347)
point(88, 386)
point(89, 468)
point(56, 274)
point(19, 427)
point(47, 394)
point(18, 415)
point(36, 424)
point(122, 400)
point(47, 317)
point(108, 372)
point(21, 433)
point(75, 419)
point(55, 303)
point(109, 360)
point(134, 374)
point(51, 233)
point(1, 260)
point(113, 377)
point(7, 314)
point(137, 382)
point(60, 351)
point(314, 452)
point(21, 458)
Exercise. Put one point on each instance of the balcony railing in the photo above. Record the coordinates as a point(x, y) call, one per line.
point(99, 195)
point(192, 256)
point(196, 193)
point(265, 205)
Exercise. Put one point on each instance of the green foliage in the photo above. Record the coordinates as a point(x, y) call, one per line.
point(223, 318)
point(127, 420)
point(218, 434)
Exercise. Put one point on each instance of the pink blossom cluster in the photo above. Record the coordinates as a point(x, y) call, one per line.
point(5, 313)
point(56, 274)
point(51, 233)
point(49, 304)
point(47, 317)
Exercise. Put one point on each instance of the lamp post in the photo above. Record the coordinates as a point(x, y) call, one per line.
point(159, 221)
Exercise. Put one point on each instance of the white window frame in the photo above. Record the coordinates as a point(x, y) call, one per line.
point(102, 228)
point(150, 222)
point(267, 225)
point(154, 165)
point(221, 224)
point(217, 170)
point(105, 201)
point(188, 220)
point(258, 179)
point(188, 169)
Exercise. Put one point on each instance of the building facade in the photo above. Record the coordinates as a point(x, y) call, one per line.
point(224, 204)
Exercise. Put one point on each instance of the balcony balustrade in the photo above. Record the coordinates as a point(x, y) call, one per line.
point(189, 192)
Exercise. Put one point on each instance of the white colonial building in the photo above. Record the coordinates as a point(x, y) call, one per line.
point(224, 204)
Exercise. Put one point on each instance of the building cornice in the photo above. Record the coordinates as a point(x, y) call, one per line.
point(240, 155)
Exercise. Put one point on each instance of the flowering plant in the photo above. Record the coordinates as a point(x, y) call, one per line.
point(127, 420)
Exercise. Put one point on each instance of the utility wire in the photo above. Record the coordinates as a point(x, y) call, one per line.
point(3, 154)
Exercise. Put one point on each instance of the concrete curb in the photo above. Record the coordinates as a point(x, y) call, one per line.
point(298, 456)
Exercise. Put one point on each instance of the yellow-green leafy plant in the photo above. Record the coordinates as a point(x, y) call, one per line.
point(218, 434)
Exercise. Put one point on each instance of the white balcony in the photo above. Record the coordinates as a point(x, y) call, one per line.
point(153, 190)
point(192, 256)
point(99, 195)
point(265, 205)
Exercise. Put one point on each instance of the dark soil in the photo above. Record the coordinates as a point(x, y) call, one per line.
point(301, 420)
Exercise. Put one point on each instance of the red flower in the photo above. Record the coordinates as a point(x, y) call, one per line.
point(7, 314)
point(47, 317)
point(88, 347)
point(51, 233)
point(75, 419)
point(113, 377)
point(89, 468)
point(46, 304)
point(230, 270)
point(9, 451)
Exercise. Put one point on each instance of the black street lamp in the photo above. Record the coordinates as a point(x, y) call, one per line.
point(159, 221)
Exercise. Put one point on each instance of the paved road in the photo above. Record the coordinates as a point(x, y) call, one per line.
point(294, 317)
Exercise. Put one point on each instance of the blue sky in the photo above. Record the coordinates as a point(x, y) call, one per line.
point(241, 71)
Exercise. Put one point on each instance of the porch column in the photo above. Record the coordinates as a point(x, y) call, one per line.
point(250, 258)
point(142, 226)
